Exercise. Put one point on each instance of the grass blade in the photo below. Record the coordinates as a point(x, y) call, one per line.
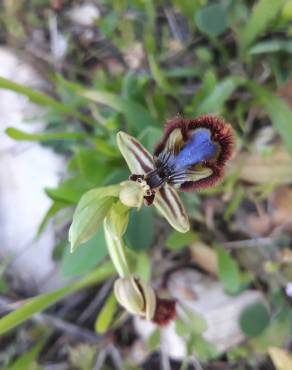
point(41, 302)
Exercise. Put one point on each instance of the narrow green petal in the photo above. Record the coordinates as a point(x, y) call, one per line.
point(170, 206)
point(138, 159)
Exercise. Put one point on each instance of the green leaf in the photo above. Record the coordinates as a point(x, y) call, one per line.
point(90, 213)
point(69, 191)
point(137, 116)
point(287, 11)
point(140, 232)
point(34, 96)
point(229, 273)
point(215, 100)
point(234, 203)
point(176, 240)
point(86, 258)
point(203, 349)
point(158, 75)
point(143, 266)
point(16, 134)
point(180, 72)
point(262, 15)
point(197, 322)
point(149, 137)
point(272, 46)
point(105, 316)
point(208, 84)
point(41, 302)
point(182, 328)
point(106, 149)
point(254, 319)
point(52, 211)
point(42, 99)
point(278, 111)
point(91, 165)
point(275, 335)
point(212, 19)
point(27, 360)
point(187, 7)
point(108, 23)
point(154, 340)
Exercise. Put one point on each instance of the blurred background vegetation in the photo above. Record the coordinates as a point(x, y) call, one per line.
point(132, 65)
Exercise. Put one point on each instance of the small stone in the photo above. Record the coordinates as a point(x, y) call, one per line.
point(84, 15)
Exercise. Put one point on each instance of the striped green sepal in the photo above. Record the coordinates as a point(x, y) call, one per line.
point(138, 159)
point(171, 207)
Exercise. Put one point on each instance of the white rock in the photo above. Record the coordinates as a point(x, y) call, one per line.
point(202, 295)
point(25, 170)
point(84, 15)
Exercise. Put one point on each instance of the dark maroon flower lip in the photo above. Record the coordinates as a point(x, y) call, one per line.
point(221, 134)
point(165, 311)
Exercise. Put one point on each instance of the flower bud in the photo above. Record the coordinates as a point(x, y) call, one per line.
point(132, 194)
point(136, 297)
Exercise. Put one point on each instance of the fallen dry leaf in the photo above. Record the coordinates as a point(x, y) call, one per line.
point(205, 257)
point(276, 217)
point(254, 168)
point(286, 256)
point(281, 358)
point(285, 92)
point(281, 201)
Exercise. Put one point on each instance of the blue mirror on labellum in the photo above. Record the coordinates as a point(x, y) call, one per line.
point(191, 156)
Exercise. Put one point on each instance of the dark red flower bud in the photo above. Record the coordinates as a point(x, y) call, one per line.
point(165, 311)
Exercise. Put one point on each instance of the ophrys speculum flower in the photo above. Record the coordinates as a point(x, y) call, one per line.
point(190, 156)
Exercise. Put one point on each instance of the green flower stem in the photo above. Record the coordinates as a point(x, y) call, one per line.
point(114, 227)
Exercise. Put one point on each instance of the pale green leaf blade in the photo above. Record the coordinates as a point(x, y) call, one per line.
point(278, 111)
point(158, 75)
point(229, 273)
point(137, 116)
point(27, 360)
point(42, 99)
point(90, 213)
point(262, 14)
point(271, 46)
point(215, 100)
point(20, 135)
point(105, 316)
point(52, 211)
point(154, 340)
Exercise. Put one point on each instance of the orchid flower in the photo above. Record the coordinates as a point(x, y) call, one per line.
point(190, 156)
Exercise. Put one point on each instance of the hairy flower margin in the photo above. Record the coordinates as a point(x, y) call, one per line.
point(190, 156)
